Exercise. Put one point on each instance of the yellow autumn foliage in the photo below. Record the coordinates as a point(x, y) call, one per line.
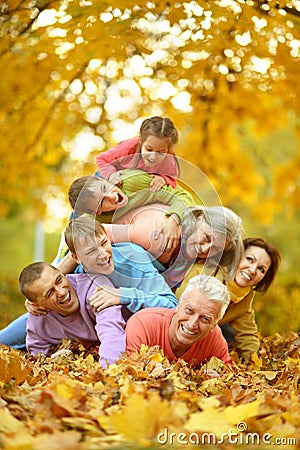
point(72, 403)
point(139, 420)
point(220, 422)
point(62, 63)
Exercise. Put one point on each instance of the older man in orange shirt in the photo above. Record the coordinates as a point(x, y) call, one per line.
point(189, 331)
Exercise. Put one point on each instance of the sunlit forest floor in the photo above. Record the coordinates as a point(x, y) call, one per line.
point(146, 402)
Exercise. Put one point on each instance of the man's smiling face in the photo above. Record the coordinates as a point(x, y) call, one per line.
point(52, 290)
point(194, 318)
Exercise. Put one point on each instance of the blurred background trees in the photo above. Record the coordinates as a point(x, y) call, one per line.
point(78, 76)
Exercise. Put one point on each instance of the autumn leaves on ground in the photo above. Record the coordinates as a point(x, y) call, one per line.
point(146, 402)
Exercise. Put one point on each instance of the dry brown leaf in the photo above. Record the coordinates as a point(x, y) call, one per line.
point(13, 366)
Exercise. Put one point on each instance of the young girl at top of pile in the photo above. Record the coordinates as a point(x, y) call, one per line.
point(152, 151)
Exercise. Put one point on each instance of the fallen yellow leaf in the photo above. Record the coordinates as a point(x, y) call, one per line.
point(257, 361)
point(8, 424)
point(220, 422)
point(139, 419)
point(235, 414)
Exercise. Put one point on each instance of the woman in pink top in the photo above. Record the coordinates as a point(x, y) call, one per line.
point(212, 235)
point(152, 151)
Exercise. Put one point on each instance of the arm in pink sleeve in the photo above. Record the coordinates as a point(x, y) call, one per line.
point(117, 158)
point(170, 181)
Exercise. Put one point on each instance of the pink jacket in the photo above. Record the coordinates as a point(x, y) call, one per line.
point(125, 156)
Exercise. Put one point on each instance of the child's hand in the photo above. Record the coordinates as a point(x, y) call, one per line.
point(157, 183)
point(103, 297)
point(36, 310)
point(169, 228)
point(116, 179)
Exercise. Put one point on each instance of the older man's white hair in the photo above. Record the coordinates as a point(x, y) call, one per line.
point(212, 287)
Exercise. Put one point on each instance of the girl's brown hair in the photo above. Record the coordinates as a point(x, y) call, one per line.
point(161, 127)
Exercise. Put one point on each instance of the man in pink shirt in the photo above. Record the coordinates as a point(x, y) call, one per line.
point(189, 331)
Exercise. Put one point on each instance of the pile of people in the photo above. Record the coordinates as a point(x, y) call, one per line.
point(135, 240)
